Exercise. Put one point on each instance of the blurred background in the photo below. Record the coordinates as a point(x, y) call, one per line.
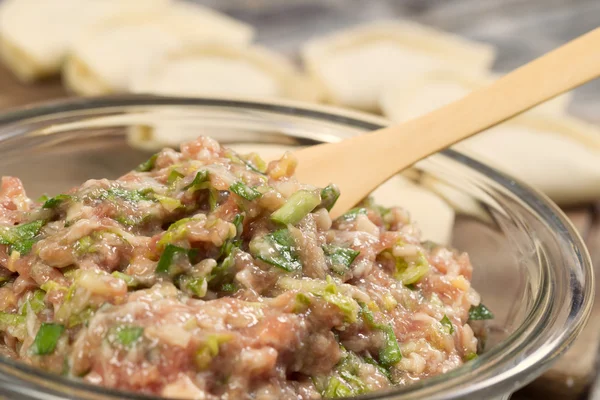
point(519, 30)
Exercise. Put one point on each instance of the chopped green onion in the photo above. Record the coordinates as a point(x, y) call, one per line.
point(278, 249)
point(169, 253)
point(14, 324)
point(196, 286)
point(336, 389)
point(35, 302)
point(329, 196)
point(55, 201)
point(229, 287)
point(126, 335)
point(174, 176)
point(210, 349)
point(21, 237)
point(353, 213)
point(47, 338)
point(470, 356)
point(384, 371)
point(213, 198)
point(302, 303)
point(480, 312)
point(297, 206)
point(81, 318)
point(254, 162)
point(346, 304)
point(147, 165)
point(43, 198)
point(129, 280)
point(133, 196)
point(390, 353)
point(340, 257)
point(242, 190)
point(170, 204)
point(410, 273)
point(447, 325)
point(200, 181)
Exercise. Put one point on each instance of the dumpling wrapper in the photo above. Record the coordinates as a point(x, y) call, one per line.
point(223, 71)
point(410, 99)
point(35, 36)
point(355, 65)
point(433, 215)
point(558, 155)
point(106, 58)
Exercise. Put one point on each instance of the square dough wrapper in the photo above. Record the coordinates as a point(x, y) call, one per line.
point(105, 59)
point(354, 65)
point(36, 35)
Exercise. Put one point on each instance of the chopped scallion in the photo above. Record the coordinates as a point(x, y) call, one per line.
point(340, 257)
point(168, 255)
point(278, 249)
point(56, 200)
point(329, 196)
point(447, 325)
point(244, 191)
point(47, 338)
point(297, 206)
point(147, 165)
point(480, 312)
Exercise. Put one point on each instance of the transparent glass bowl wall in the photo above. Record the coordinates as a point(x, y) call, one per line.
point(531, 268)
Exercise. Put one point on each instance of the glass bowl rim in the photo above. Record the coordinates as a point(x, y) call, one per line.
point(456, 381)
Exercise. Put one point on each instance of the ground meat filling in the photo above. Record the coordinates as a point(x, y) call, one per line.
point(205, 274)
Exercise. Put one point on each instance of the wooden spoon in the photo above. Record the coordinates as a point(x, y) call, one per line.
point(360, 164)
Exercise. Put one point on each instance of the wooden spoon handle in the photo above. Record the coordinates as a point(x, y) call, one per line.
point(360, 164)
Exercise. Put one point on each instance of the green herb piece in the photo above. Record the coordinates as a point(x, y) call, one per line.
point(254, 162)
point(410, 273)
point(297, 206)
point(84, 245)
point(174, 176)
point(195, 286)
point(230, 244)
point(336, 388)
point(81, 318)
point(7, 320)
point(147, 165)
point(346, 304)
point(176, 231)
point(200, 181)
point(47, 338)
point(242, 190)
point(470, 356)
point(210, 349)
point(133, 196)
point(126, 335)
point(35, 302)
point(21, 237)
point(390, 353)
point(56, 200)
point(278, 249)
point(447, 325)
point(43, 198)
point(169, 203)
point(229, 287)
point(329, 196)
point(213, 197)
point(340, 257)
point(385, 371)
point(168, 255)
point(301, 304)
point(129, 280)
point(480, 312)
point(353, 213)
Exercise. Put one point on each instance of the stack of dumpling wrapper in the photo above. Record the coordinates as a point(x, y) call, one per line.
point(399, 69)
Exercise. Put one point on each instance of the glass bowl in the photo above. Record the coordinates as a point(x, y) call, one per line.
point(531, 267)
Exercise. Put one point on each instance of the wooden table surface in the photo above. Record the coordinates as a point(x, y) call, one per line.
point(572, 375)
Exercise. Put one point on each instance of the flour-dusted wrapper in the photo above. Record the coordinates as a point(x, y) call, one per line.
point(217, 70)
point(35, 36)
point(106, 58)
point(355, 65)
point(406, 100)
point(559, 155)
